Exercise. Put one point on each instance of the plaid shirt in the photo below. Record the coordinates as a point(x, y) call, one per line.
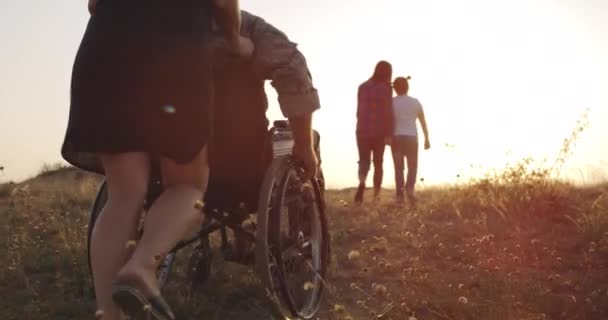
point(374, 110)
point(277, 58)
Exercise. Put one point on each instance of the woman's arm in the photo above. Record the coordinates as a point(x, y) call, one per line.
point(228, 16)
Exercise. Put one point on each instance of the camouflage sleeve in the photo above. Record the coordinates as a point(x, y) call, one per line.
point(277, 58)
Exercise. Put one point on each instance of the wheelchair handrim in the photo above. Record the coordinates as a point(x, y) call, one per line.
point(277, 178)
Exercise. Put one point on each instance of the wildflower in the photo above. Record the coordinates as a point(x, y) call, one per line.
point(379, 289)
point(339, 308)
point(353, 285)
point(169, 109)
point(354, 254)
point(198, 204)
point(460, 286)
point(463, 300)
point(131, 244)
point(343, 203)
point(308, 286)
point(305, 187)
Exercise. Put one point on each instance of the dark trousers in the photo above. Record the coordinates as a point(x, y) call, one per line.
point(371, 148)
point(405, 147)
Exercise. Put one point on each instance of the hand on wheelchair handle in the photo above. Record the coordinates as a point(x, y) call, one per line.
point(307, 158)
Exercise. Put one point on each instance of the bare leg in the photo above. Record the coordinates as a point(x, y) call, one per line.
point(127, 179)
point(171, 216)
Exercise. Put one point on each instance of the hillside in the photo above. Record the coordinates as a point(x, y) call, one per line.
point(515, 246)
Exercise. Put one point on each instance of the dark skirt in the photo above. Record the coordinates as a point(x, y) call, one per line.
point(141, 82)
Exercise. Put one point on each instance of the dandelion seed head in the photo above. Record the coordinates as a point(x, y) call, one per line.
point(131, 244)
point(169, 109)
point(308, 286)
point(379, 289)
point(198, 204)
point(354, 254)
point(339, 308)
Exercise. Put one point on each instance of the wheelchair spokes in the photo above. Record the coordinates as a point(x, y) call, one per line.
point(296, 241)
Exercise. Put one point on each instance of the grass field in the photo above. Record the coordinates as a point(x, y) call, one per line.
point(518, 245)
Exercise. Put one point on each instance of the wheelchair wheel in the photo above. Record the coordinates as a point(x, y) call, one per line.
point(100, 200)
point(292, 239)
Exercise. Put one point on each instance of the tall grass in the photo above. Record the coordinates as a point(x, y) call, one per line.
point(516, 244)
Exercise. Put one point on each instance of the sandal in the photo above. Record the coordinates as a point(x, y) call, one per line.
point(136, 306)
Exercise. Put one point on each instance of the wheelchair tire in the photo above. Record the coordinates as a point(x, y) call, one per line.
point(100, 200)
point(274, 258)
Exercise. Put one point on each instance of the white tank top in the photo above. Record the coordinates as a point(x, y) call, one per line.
point(406, 110)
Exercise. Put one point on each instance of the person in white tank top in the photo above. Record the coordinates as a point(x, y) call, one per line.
point(406, 110)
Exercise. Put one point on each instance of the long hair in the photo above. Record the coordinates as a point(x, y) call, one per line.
point(383, 72)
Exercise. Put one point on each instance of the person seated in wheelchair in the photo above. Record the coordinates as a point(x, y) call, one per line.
point(240, 150)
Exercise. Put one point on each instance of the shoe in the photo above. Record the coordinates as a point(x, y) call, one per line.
point(139, 307)
point(359, 194)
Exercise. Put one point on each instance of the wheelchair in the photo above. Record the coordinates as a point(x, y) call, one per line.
point(286, 239)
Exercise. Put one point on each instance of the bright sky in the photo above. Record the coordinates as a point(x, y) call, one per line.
point(499, 80)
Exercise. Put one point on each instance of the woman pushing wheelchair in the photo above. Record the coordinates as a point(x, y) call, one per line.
point(141, 87)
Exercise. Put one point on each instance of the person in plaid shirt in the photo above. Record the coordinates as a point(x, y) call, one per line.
point(374, 125)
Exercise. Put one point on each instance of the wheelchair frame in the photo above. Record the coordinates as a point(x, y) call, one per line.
point(269, 261)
